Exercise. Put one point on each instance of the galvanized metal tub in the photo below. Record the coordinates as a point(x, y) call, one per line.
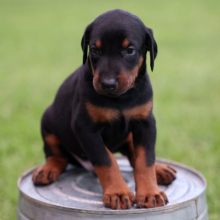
point(77, 194)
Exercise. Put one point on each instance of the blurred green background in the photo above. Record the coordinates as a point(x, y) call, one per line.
point(40, 47)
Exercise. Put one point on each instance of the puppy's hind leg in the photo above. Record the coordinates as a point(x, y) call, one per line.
point(127, 149)
point(166, 174)
point(56, 162)
point(54, 166)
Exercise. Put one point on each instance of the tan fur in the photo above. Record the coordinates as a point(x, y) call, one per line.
point(54, 166)
point(146, 182)
point(110, 176)
point(113, 185)
point(143, 172)
point(93, 71)
point(133, 73)
point(50, 171)
point(130, 152)
point(141, 59)
point(126, 79)
point(123, 82)
point(125, 43)
point(166, 174)
point(138, 112)
point(98, 44)
point(53, 142)
point(102, 114)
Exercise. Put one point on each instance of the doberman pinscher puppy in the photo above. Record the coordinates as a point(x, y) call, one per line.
point(104, 107)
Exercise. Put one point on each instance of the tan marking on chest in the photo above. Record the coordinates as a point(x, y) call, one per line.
point(138, 112)
point(102, 114)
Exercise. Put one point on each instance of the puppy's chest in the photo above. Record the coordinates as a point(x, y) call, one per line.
point(108, 115)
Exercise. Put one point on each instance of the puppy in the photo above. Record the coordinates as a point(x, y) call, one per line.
point(104, 107)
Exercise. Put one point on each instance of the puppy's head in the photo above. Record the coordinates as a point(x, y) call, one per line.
point(118, 42)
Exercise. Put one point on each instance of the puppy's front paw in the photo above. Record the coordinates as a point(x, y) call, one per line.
point(166, 174)
point(151, 199)
point(118, 200)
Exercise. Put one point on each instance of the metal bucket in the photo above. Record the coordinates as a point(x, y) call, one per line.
point(77, 194)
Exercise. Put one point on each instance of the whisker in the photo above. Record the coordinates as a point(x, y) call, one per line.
point(137, 90)
point(141, 79)
point(89, 82)
point(131, 92)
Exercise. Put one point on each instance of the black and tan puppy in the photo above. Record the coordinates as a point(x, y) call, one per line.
point(105, 106)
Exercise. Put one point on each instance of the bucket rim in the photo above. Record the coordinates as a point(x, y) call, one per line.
point(117, 212)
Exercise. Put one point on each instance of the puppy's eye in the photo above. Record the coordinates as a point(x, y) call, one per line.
point(130, 51)
point(94, 50)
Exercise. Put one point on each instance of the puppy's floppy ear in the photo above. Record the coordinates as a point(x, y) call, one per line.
point(151, 46)
point(85, 41)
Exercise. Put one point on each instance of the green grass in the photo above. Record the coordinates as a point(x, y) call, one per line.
point(40, 47)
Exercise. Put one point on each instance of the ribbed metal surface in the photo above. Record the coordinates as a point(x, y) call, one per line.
point(78, 195)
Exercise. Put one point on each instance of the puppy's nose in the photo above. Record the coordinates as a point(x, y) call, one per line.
point(109, 85)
